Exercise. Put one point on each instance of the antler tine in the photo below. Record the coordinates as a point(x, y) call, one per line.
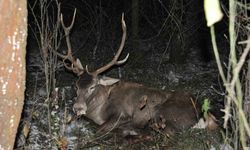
point(118, 53)
point(67, 32)
point(122, 61)
point(72, 22)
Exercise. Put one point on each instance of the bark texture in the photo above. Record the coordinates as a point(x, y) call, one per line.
point(13, 31)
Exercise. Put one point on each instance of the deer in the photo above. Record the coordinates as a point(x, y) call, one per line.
point(113, 103)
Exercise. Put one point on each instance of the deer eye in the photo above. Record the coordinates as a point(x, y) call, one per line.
point(91, 89)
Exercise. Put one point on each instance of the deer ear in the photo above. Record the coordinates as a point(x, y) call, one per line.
point(108, 81)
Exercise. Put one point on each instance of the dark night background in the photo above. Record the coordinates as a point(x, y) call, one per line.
point(168, 42)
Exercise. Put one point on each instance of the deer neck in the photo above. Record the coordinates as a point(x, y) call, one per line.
point(97, 104)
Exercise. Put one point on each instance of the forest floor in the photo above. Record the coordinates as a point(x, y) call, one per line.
point(65, 132)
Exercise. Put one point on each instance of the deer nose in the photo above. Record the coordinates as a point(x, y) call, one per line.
point(80, 109)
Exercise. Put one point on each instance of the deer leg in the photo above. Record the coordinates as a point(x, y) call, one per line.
point(113, 123)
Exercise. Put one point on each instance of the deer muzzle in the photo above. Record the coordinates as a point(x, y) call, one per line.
point(80, 109)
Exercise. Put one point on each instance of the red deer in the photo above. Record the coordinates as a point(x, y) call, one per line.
point(113, 103)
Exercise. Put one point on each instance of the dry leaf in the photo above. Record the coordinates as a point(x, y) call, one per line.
point(26, 129)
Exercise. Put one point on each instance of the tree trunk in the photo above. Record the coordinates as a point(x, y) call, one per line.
point(13, 31)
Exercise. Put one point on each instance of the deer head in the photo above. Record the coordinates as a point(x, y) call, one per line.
point(92, 90)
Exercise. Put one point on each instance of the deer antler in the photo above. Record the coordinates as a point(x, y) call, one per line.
point(118, 53)
point(76, 65)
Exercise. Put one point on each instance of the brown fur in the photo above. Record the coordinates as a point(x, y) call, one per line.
point(132, 106)
point(180, 111)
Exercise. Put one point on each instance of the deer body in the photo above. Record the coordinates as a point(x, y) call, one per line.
point(127, 105)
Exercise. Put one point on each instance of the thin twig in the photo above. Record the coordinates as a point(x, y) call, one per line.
point(241, 62)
